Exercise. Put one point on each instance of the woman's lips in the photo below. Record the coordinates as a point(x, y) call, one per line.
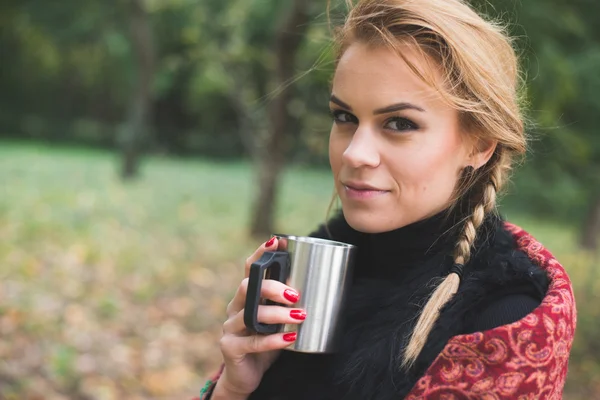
point(363, 194)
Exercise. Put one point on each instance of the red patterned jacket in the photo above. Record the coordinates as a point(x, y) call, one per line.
point(525, 360)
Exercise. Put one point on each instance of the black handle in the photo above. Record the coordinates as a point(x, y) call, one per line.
point(277, 262)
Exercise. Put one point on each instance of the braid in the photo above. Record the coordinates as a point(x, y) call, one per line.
point(481, 209)
point(498, 164)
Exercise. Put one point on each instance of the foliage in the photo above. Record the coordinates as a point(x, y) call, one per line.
point(70, 77)
point(211, 53)
point(560, 47)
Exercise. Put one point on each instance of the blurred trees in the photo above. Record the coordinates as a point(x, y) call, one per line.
point(142, 45)
point(564, 90)
point(288, 38)
point(71, 71)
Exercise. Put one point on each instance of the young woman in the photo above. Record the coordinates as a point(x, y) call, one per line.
point(447, 299)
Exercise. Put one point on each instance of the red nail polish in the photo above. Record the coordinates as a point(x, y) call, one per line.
point(270, 242)
point(291, 295)
point(298, 314)
point(289, 337)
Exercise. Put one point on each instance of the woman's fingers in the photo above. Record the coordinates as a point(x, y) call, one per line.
point(266, 315)
point(236, 342)
point(234, 347)
point(270, 289)
point(269, 245)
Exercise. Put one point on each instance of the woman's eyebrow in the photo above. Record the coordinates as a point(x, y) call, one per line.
point(384, 110)
point(398, 107)
point(340, 103)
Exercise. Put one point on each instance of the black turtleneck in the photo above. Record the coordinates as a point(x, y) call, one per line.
point(400, 254)
point(394, 276)
point(405, 256)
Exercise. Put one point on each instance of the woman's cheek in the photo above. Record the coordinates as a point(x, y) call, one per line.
point(337, 147)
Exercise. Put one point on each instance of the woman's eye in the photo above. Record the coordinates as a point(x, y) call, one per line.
point(343, 117)
point(400, 124)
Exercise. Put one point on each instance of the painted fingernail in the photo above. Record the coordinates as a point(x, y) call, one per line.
point(289, 337)
point(298, 314)
point(270, 242)
point(291, 295)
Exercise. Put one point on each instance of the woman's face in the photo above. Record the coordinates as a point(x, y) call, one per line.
point(395, 147)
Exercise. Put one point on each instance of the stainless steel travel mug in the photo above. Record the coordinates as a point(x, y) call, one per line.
point(321, 270)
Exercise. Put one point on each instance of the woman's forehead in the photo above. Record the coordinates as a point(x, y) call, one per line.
point(366, 72)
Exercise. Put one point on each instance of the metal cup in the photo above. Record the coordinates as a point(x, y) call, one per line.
point(321, 270)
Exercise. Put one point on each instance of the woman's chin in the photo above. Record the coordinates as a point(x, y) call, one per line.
point(367, 221)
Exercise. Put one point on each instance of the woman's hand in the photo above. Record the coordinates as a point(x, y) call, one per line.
point(248, 355)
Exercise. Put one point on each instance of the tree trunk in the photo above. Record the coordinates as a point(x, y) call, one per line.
point(271, 161)
point(590, 234)
point(251, 125)
point(137, 121)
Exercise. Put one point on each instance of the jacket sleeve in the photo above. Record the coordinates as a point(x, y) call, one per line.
point(209, 386)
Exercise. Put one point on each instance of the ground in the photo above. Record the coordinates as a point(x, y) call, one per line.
point(112, 290)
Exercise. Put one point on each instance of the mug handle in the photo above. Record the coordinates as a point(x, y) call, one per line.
point(278, 262)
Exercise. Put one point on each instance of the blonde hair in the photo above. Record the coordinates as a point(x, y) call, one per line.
point(480, 79)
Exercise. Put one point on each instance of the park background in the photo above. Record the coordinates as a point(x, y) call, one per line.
point(147, 147)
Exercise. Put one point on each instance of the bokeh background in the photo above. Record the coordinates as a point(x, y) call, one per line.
point(148, 146)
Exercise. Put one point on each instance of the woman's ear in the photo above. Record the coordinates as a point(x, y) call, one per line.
point(482, 152)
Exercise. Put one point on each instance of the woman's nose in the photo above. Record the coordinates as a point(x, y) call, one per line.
point(362, 150)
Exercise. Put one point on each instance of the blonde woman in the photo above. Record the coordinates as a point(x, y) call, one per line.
point(447, 298)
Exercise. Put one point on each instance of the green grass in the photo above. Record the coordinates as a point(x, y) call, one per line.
point(117, 290)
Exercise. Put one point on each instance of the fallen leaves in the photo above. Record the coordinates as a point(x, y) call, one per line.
point(105, 291)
